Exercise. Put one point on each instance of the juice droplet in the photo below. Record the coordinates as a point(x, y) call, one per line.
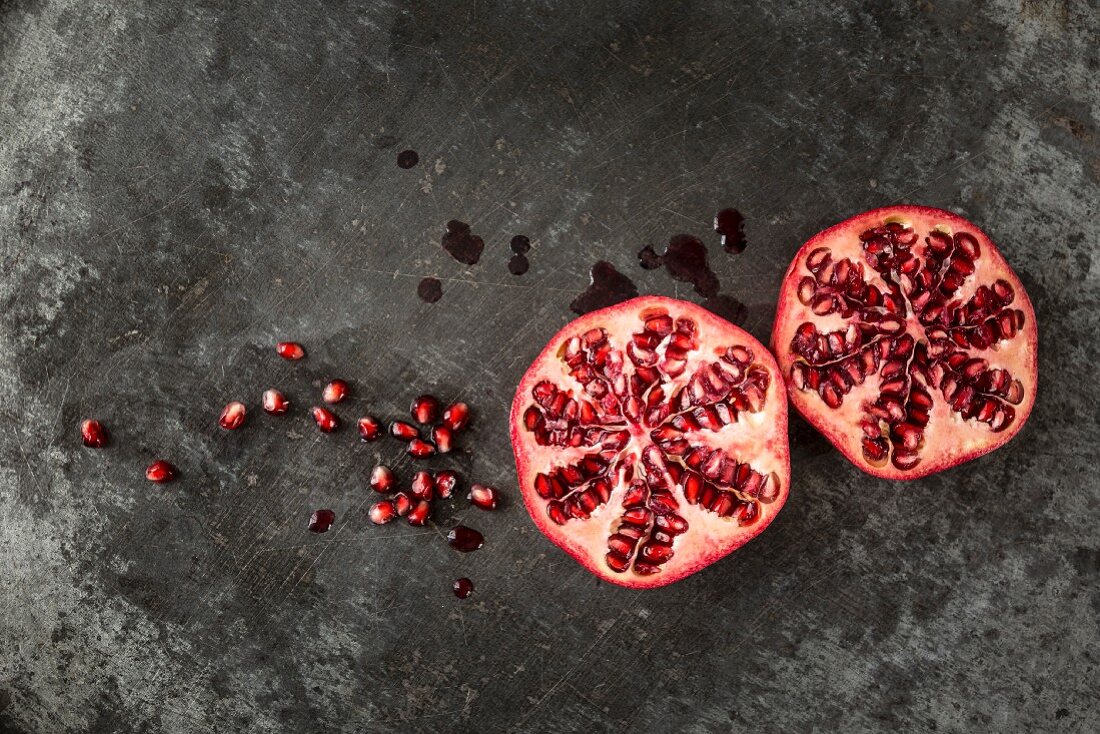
point(731, 226)
point(465, 539)
point(463, 588)
point(521, 244)
point(727, 307)
point(518, 264)
point(648, 258)
point(608, 287)
point(462, 245)
point(685, 259)
point(407, 158)
point(430, 290)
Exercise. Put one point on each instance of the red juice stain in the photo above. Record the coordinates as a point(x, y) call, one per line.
point(730, 225)
point(463, 588)
point(685, 259)
point(521, 244)
point(321, 520)
point(518, 264)
point(407, 158)
point(608, 287)
point(465, 539)
point(430, 290)
point(462, 244)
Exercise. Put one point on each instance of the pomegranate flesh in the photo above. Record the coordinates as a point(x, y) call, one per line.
point(160, 471)
point(232, 416)
point(93, 434)
point(275, 403)
point(290, 350)
point(651, 440)
point(335, 392)
point(907, 340)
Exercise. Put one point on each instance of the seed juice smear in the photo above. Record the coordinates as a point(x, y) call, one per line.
point(430, 290)
point(730, 225)
point(462, 244)
point(608, 287)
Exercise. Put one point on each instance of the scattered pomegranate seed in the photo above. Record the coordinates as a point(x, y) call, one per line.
point(420, 512)
point(382, 512)
point(326, 420)
point(443, 437)
point(382, 479)
point(369, 428)
point(335, 391)
point(463, 588)
point(404, 431)
point(420, 449)
point(465, 539)
point(275, 403)
point(290, 350)
point(425, 409)
point(445, 482)
point(160, 471)
point(93, 434)
point(456, 416)
point(232, 416)
point(422, 485)
point(321, 520)
point(483, 497)
point(402, 503)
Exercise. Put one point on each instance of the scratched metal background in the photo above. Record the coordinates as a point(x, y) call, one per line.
point(181, 184)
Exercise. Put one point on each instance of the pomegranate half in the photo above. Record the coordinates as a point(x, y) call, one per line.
point(907, 340)
point(651, 440)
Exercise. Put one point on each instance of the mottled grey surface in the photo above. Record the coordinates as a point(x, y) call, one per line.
point(183, 184)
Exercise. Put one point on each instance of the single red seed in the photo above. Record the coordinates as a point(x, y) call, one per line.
point(402, 503)
point(369, 428)
point(382, 512)
point(275, 403)
point(420, 513)
point(290, 350)
point(483, 497)
point(465, 539)
point(335, 391)
point(445, 482)
point(420, 449)
point(404, 431)
point(93, 434)
point(422, 485)
point(160, 471)
point(325, 419)
point(463, 588)
point(443, 437)
point(321, 520)
point(456, 416)
point(232, 416)
point(382, 479)
point(425, 409)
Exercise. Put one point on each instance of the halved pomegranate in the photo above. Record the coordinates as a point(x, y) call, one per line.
point(907, 340)
point(651, 440)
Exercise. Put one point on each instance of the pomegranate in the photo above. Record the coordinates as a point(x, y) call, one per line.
point(456, 416)
point(369, 428)
point(445, 482)
point(275, 403)
point(321, 520)
point(160, 471)
point(420, 449)
point(93, 434)
point(651, 440)
point(484, 497)
point(423, 485)
point(420, 512)
point(443, 438)
point(325, 419)
point(907, 340)
point(382, 512)
point(402, 503)
point(382, 479)
point(232, 416)
point(403, 431)
point(335, 392)
point(290, 350)
point(425, 409)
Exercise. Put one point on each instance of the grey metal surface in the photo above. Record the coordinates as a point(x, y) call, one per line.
point(183, 184)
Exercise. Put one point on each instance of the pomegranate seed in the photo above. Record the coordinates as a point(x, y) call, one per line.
point(483, 497)
point(335, 391)
point(463, 588)
point(404, 431)
point(382, 512)
point(93, 434)
point(275, 403)
point(382, 479)
point(443, 438)
point(420, 512)
point(232, 416)
point(420, 449)
point(456, 416)
point(321, 520)
point(290, 350)
point(160, 471)
point(425, 409)
point(422, 485)
point(402, 503)
point(465, 539)
point(445, 482)
point(325, 419)
point(369, 428)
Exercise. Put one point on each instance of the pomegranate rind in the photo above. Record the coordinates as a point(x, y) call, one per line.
point(942, 449)
point(709, 537)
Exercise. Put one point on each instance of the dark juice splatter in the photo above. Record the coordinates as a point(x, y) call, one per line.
point(731, 226)
point(462, 245)
point(727, 307)
point(463, 588)
point(321, 520)
point(518, 264)
point(521, 244)
point(608, 287)
point(648, 258)
point(407, 158)
point(465, 539)
point(685, 259)
point(430, 290)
